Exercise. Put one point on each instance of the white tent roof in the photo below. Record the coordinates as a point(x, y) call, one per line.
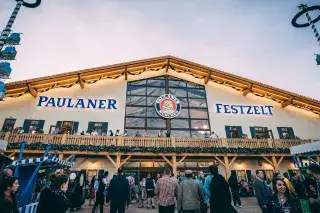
point(305, 148)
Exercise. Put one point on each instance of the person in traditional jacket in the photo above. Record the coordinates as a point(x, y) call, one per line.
point(8, 202)
point(60, 201)
point(45, 203)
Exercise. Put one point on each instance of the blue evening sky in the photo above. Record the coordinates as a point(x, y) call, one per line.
point(250, 38)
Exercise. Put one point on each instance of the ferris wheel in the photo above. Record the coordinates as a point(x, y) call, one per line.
point(8, 42)
point(304, 10)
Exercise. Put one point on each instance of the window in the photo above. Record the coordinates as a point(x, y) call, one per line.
point(30, 126)
point(141, 115)
point(260, 132)
point(100, 127)
point(66, 127)
point(233, 131)
point(8, 124)
point(286, 133)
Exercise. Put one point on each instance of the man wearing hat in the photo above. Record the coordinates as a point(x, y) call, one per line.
point(314, 170)
point(190, 195)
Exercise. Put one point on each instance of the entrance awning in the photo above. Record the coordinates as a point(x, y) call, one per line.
point(306, 148)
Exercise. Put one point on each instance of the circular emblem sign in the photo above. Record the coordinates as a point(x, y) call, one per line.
point(168, 106)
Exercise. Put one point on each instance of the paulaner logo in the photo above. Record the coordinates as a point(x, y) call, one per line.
point(81, 103)
point(168, 106)
point(247, 110)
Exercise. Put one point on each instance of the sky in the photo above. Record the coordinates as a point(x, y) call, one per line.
point(250, 38)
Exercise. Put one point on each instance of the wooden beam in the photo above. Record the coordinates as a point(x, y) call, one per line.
point(174, 165)
point(168, 64)
point(220, 161)
point(111, 160)
point(11, 155)
point(81, 82)
point(269, 161)
point(125, 160)
point(280, 160)
point(248, 90)
point(208, 77)
point(287, 103)
point(68, 158)
point(182, 159)
point(233, 159)
point(118, 162)
point(32, 91)
point(166, 159)
point(126, 73)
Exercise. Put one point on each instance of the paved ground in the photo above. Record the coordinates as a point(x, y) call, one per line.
point(249, 206)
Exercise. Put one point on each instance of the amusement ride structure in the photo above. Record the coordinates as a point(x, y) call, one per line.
point(8, 41)
point(305, 10)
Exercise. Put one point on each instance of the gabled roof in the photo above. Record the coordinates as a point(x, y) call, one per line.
point(88, 76)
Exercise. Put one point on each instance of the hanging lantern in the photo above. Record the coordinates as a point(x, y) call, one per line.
point(318, 59)
point(5, 70)
point(2, 90)
point(9, 53)
point(13, 39)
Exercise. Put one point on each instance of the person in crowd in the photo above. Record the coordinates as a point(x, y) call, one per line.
point(281, 201)
point(119, 193)
point(118, 132)
point(299, 187)
point(138, 134)
point(168, 134)
point(145, 133)
point(206, 186)
point(104, 134)
point(206, 135)
point(142, 185)
point(314, 171)
point(46, 196)
point(92, 191)
point(8, 202)
point(200, 179)
point(82, 132)
point(125, 133)
point(160, 134)
point(59, 199)
point(6, 173)
point(220, 197)
point(157, 177)
point(181, 177)
point(131, 181)
point(213, 135)
point(261, 190)
point(106, 182)
point(190, 195)
point(286, 179)
point(87, 133)
point(235, 190)
point(100, 192)
point(110, 133)
point(94, 132)
point(166, 191)
point(150, 185)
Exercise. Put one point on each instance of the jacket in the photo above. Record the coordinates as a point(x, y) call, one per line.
point(45, 203)
point(190, 196)
point(261, 191)
point(220, 199)
point(7, 207)
point(274, 205)
point(118, 191)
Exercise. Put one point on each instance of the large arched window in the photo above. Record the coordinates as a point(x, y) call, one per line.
point(193, 121)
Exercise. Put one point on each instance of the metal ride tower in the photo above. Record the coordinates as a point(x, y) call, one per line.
point(305, 10)
point(8, 41)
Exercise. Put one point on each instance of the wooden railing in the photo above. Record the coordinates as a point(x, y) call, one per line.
point(151, 141)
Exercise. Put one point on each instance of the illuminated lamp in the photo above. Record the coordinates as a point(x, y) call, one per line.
point(2, 90)
point(5, 70)
point(9, 53)
point(13, 39)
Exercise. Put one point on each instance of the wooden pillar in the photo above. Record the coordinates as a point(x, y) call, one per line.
point(173, 142)
point(118, 162)
point(64, 138)
point(227, 166)
point(6, 136)
point(174, 165)
point(61, 156)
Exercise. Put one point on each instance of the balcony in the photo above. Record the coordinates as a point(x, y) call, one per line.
point(150, 144)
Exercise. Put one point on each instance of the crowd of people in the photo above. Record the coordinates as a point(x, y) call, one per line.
point(189, 193)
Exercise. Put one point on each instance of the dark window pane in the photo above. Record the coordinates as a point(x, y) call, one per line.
point(156, 122)
point(141, 82)
point(180, 133)
point(156, 82)
point(180, 123)
point(200, 103)
point(195, 93)
point(178, 92)
point(184, 113)
point(198, 113)
point(194, 85)
point(199, 124)
point(136, 111)
point(136, 90)
point(151, 112)
point(135, 122)
point(155, 91)
point(199, 134)
point(177, 83)
point(154, 133)
point(151, 101)
point(136, 100)
point(133, 132)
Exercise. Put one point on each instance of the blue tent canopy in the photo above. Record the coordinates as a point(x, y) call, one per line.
point(2, 90)
point(5, 69)
point(318, 59)
point(13, 39)
point(9, 53)
point(49, 161)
